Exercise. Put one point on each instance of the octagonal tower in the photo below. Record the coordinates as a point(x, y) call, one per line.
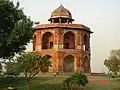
point(67, 45)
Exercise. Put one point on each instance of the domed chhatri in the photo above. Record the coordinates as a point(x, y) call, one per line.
point(61, 12)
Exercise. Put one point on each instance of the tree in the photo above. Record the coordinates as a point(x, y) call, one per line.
point(113, 62)
point(10, 67)
point(15, 29)
point(0, 68)
point(31, 64)
point(75, 81)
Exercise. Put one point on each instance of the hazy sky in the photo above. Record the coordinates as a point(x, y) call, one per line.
point(102, 16)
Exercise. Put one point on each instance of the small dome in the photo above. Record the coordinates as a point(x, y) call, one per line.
point(61, 12)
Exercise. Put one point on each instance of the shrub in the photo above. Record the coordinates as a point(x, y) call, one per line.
point(75, 81)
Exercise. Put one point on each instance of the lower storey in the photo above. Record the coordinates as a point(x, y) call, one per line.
point(68, 64)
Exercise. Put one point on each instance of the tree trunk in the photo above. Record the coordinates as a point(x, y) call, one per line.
point(29, 84)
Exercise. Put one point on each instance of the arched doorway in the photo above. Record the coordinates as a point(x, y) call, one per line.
point(50, 68)
point(47, 40)
point(68, 64)
point(69, 40)
point(86, 65)
point(86, 43)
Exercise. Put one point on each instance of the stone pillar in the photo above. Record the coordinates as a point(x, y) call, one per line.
point(82, 41)
point(89, 64)
point(59, 20)
point(79, 62)
point(56, 37)
point(55, 64)
point(75, 65)
point(52, 63)
point(76, 39)
point(68, 21)
point(60, 39)
point(79, 41)
point(60, 63)
point(38, 41)
point(52, 20)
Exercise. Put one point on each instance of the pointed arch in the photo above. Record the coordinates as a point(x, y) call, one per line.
point(68, 63)
point(69, 40)
point(86, 64)
point(86, 43)
point(50, 68)
point(47, 40)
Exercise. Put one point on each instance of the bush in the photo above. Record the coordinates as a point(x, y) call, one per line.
point(75, 81)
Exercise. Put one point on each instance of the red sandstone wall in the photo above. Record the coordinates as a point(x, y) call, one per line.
point(59, 53)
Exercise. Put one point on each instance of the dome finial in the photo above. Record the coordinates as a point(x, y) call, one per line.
point(60, 4)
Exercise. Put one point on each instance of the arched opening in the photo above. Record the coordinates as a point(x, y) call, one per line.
point(34, 42)
point(61, 20)
point(50, 68)
point(86, 65)
point(69, 40)
point(64, 20)
point(56, 20)
point(47, 40)
point(86, 43)
point(68, 64)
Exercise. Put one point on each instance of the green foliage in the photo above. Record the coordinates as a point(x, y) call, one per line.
point(31, 64)
point(45, 66)
point(15, 29)
point(10, 67)
point(54, 83)
point(75, 81)
point(0, 68)
point(11, 82)
point(113, 62)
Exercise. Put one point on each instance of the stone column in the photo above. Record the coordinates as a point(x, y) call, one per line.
point(51, 68)
point(68, 21)
point(60, 63)
point(89, 64)
point(38, 41)
point(56, 39)
point(60, 39)
point(55, 64)
point(59, 20)
point(82, 41)
point(76, 39)
point(75, 65)
point(79, 62)
point(79, 41)
point(52, 20)
point(89, 43)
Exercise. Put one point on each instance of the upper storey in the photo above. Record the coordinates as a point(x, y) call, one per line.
point(61, 15)
point(62, 18)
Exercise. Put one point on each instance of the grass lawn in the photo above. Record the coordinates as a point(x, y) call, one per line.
point(54, 83)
